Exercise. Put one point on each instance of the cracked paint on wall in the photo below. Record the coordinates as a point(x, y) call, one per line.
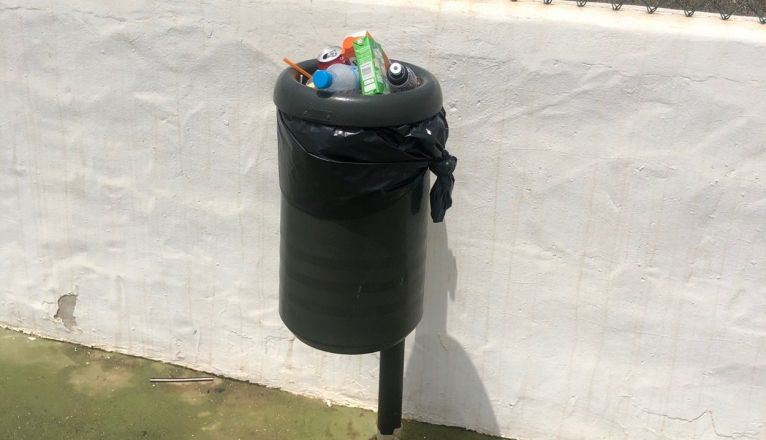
point(602, 272)
point(65, 311)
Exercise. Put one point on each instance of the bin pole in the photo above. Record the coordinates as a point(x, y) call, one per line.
point(390, 386)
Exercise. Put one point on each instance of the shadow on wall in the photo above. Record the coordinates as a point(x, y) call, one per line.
point(440, 382)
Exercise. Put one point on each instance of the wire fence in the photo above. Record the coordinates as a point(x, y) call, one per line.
point(725, 8)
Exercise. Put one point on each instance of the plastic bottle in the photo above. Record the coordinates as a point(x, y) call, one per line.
point(337, 78)
point(348, 45)
point(401, 78)
point(348, 49)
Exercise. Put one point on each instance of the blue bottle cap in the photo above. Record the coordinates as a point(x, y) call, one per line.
point(322, 79)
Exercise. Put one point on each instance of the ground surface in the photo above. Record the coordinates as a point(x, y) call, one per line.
point(54, 390)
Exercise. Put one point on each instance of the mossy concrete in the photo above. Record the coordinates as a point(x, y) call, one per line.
point(53, 390)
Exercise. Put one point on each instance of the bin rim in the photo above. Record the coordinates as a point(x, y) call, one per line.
point(357, 110)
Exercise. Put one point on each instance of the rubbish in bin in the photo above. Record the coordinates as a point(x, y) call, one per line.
point(348, 49)
point(401, 78)
point(329, 56)
point(348, 45)
point(369, 60)
point(297, 68)
point(337, 78)
point(362, 52)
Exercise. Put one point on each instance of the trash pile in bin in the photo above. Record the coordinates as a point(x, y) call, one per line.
point(358, 65)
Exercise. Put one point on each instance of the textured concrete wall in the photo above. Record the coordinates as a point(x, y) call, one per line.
point(601, 275)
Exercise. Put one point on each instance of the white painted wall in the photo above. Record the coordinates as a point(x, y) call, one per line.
point(601, 274)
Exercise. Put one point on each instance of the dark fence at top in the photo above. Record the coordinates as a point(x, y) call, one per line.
point(726, 8)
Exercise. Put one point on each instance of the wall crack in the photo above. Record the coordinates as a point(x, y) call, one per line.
point(734, 435)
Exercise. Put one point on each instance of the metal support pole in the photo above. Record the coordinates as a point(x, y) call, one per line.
point(390, 386)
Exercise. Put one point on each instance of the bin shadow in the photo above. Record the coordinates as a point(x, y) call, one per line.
point(441, 383)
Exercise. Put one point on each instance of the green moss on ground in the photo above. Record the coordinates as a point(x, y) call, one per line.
point(53, 390)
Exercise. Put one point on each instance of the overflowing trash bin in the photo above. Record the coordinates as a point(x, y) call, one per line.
point(353, 172)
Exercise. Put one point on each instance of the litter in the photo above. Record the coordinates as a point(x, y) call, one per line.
point(180, 379)
point(359, 65)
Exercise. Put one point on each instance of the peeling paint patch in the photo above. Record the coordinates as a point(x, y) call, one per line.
point(65, 311)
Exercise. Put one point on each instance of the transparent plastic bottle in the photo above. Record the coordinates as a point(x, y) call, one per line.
point(337, 78)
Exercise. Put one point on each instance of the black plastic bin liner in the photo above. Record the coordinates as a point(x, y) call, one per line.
point(342, 172)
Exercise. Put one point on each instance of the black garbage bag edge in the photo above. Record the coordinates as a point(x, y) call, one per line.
point(376, 162)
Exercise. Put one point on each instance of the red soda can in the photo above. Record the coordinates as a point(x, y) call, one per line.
point(329, 56)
